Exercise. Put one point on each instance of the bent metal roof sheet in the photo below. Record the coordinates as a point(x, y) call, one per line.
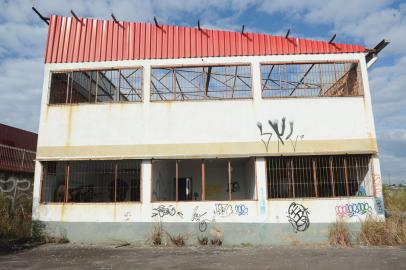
point(92, 40)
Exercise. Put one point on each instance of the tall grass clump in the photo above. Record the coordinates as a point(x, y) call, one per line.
point(376, 232)
point(339, 234)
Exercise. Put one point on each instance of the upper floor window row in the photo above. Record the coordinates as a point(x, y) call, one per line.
point(219, 82)
point(96, 86)
point(311, 80)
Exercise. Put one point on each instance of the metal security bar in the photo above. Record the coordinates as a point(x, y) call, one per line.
point(96, 86)
point(203, 82)
point(318, 176)
point(91, 181)
point(311, 80)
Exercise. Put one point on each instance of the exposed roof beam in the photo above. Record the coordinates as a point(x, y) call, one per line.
point(373, 53)
point(45, 19)
point(332, 38)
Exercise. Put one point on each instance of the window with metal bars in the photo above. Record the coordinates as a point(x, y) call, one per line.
point(96, 86)
point(203, 179)
point(318, 176)
point(91, 181)
point(201, 82)
point(311, 79)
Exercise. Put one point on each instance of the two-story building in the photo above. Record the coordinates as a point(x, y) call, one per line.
point(248, 137)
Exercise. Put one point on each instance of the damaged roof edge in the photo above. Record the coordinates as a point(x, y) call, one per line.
point(92, 40)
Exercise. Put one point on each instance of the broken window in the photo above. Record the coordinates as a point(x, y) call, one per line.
point(98, 86)
point(91, 181)
point(311, 79)
point(318, 176)
point(208, 179)
point(204, 82)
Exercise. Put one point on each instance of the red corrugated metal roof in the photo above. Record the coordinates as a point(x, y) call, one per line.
point(90, 40)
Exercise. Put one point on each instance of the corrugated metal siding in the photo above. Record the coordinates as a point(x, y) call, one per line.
point(14, 159)
point(18, 138)
point(90, 40)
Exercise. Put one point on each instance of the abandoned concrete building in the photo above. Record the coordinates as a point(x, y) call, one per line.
point(249, 137)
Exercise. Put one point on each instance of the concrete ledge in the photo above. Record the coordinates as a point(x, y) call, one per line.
point(139, 233)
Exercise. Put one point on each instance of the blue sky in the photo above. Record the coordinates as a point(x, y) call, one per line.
point(364, 22)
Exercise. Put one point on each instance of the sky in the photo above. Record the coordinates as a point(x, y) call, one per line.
point(363, 22)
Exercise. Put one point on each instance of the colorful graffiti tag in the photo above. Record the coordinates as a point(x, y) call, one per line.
point(353, 209)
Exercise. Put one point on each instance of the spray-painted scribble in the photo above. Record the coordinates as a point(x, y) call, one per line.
point(163, 211)
point(127, 216)
point(262, 203)
point(196, 216)
point(14, 189)
point(235, 187)
point(280, 133)
point(267, 135)
point(223, 210)
point(353, 209)
point(376, 178)
point(361, 191)
point(379, 207)
point(241, 209)
point(298, 217)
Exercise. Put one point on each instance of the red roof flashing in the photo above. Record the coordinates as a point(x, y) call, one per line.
point(92, 40)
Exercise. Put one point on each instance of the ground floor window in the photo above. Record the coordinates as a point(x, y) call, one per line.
point(203, 179)
point(91, 181)
point(318, 176)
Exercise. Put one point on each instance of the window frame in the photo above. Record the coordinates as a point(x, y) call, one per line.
point(56, 71)
point(304, 62)
point(66, 186)
point(370, 173)
point(203, 65)
point(203, 173)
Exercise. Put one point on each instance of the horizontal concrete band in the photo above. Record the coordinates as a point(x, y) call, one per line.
point(199, 150)
point(230, 233)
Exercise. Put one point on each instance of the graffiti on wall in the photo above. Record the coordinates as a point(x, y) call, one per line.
point(379, 207)
point(298, 217)
point(283, 136)
point(241, 209)
point(163, 211)
point(353, 209)
point(14, 189)
point(223, 210)
point(199, 217)
point(361, 191)
point(376, 178)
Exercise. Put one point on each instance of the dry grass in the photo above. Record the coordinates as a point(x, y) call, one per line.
point(203, 241)
point(339, 234)
point(15, 224)
point(156, 235)
point(395, 199)
point(375, 232)
point(178, 240)
point(216, 242)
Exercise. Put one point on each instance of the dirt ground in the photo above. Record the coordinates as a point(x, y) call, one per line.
point(71, 256)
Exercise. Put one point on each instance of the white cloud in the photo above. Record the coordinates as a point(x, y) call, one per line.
point(21, 92)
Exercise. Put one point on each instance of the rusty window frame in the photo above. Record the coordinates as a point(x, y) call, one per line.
point(188, 83)
point(119, 168)
point(125, 87)
point(311, 79)
point(325, 176)
point(203, 179)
